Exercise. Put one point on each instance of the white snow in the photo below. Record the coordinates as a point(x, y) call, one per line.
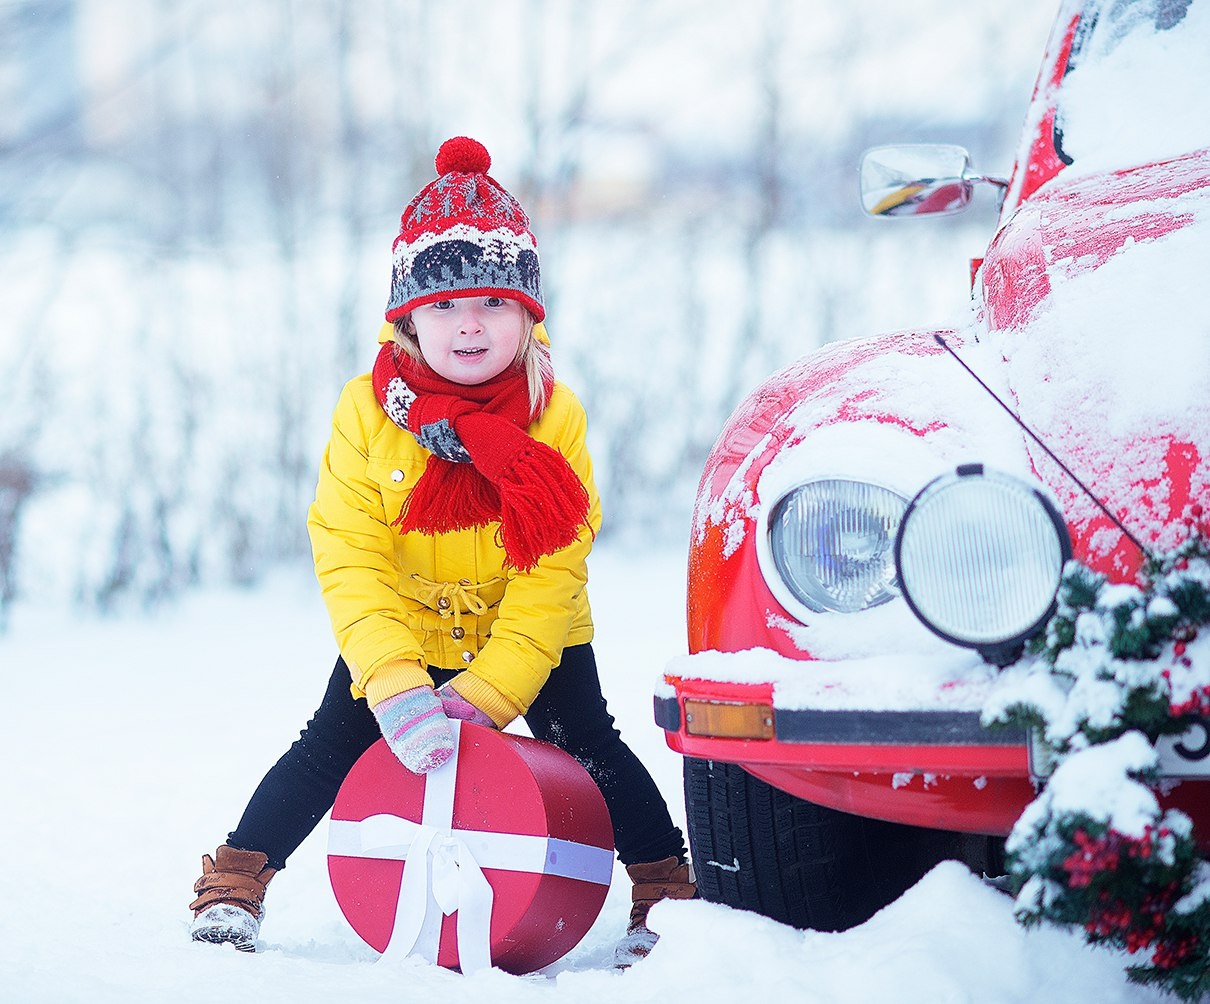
point(954, 679)
point(130, 747)
point(1158, 93)
point(1091, 782)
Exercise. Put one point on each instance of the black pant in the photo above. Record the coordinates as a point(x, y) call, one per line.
point(569, 712)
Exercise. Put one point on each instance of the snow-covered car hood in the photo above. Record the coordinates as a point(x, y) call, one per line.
point(1095, 295)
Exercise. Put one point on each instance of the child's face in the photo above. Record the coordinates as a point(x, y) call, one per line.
point(470, 339)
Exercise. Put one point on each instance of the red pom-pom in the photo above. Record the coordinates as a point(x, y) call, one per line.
point(463, 155)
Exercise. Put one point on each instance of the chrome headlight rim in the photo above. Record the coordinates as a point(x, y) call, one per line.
point(1004, 647)
point(768, 563)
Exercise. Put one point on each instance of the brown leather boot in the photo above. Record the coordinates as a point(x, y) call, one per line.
point(653, 881)
point(231, 893)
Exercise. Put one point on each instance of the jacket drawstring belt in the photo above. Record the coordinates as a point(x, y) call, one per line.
point(453, 599)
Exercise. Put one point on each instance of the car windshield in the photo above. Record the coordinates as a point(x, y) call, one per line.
point(1137, 84)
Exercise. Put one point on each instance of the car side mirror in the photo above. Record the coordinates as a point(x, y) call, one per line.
point(918, 179)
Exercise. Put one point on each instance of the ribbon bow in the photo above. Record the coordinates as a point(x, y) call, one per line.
point(444, 871)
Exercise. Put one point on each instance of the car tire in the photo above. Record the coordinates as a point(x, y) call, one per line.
point(755, 847)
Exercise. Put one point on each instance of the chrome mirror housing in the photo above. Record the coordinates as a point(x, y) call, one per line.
point(918, 179)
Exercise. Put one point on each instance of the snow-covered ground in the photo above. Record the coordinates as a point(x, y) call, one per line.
point(130, 746)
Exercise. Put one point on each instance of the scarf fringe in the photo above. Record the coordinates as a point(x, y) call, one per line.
point(456, 497)
point(539, 508)
point(542, 509)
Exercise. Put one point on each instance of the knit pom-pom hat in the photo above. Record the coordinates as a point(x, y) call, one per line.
point(464, 235)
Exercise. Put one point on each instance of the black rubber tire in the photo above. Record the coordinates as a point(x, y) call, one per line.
point(757, 848)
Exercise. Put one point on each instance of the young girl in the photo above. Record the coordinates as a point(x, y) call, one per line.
point(452, 521)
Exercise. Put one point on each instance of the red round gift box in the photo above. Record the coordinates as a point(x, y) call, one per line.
point(504, 784)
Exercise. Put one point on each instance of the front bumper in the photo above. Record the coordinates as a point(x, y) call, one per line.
point(936, 768)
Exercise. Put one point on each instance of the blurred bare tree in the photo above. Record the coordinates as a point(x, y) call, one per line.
point(197, 200)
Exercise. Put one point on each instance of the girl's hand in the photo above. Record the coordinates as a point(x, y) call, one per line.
point(457, 706)
point(416, 728)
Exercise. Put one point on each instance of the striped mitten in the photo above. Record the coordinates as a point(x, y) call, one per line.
point(416, 729)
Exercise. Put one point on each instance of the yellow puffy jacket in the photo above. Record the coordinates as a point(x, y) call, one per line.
point(442, 600)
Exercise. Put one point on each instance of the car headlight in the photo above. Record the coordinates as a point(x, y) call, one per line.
point(980, 555)
point(831, 546)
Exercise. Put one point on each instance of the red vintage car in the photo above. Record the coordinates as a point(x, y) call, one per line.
point(883, 523)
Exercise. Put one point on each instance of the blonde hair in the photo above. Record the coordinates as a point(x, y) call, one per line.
point(532, 358)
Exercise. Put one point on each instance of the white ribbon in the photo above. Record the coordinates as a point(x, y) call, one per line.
point(451, 877)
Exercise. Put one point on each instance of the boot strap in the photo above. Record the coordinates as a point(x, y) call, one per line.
point(654, 891)
point(228, 887)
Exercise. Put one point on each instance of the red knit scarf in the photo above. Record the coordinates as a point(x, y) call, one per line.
point(485, 467)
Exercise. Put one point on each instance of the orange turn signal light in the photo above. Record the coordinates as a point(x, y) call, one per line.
point(729, 720)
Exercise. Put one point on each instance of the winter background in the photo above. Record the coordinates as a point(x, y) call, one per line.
point(197, 201)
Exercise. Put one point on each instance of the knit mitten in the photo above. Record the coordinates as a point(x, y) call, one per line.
point(457, 706)
point(416, 729)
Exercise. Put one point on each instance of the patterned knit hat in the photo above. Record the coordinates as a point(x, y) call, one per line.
point(464, 235)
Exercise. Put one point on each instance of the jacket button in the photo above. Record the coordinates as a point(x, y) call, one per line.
point(443, 603)
point(468, 656)
point(396, 476)
point(458, 633)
